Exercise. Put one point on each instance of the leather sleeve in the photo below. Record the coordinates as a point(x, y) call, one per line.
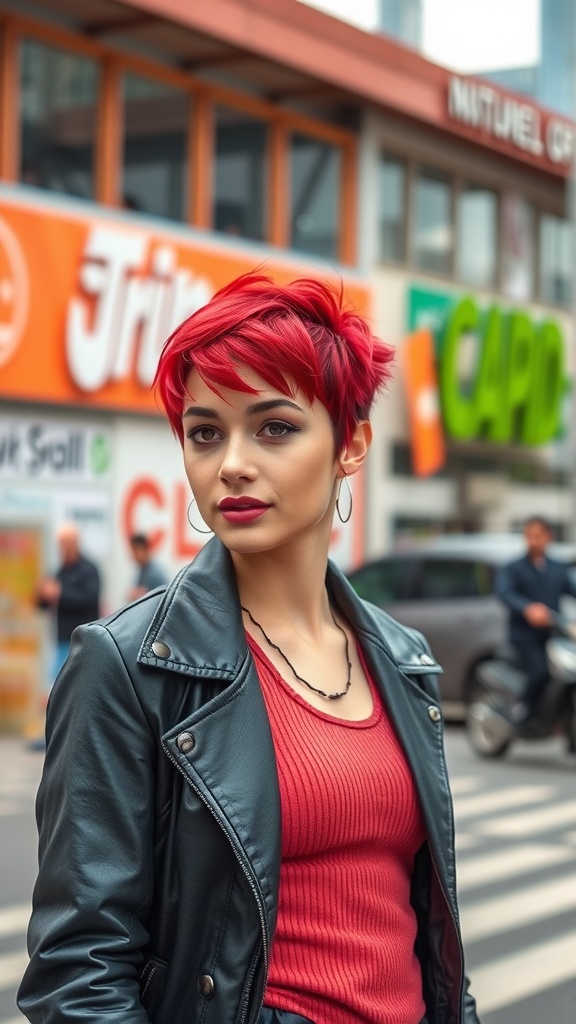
point(470, 1010)
point(95, 818)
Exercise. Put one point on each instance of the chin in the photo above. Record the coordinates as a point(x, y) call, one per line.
point(244, 540)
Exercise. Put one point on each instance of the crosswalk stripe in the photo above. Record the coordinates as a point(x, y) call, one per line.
point(465, 784)
point(526, 906)
point(516, 796)
point(521, 975)
point(12, 967)
point(463, 840)
point(508, 863)
point(529, 822)
point(14, 919)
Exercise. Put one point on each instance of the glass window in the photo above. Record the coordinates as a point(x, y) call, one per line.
point(518, 248)
point(315, 174)
point(555, 260)
point(59, 94)
point(432, 223)
point(383, 582)
point(392, 209)
point(477, 237)
point(240, 174)
point(156, 120)
point(444, 578)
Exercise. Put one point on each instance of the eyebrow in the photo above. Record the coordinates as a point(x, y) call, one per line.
point(252, 410)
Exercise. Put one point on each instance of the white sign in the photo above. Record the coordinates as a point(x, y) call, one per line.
point(133, 295)
point(35, 448)
point(511, 120)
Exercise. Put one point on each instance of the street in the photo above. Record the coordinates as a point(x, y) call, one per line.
point(516, 848)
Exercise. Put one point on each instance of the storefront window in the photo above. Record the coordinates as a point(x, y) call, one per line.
point(156, 118)
point(240, 174)
point(59, 94)
point(432, 223)
point(477, 237)
point(518, 249)
point(555, 260)
point(392, 209)
point(315, 175)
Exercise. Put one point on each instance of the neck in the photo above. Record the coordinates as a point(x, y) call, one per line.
point(287, 585)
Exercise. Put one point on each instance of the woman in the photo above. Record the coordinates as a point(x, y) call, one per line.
point(244, 816)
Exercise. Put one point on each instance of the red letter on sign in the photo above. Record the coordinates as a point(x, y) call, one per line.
point(144, 489)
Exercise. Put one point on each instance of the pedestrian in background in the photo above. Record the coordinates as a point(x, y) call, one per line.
point(531, 588)
point(257, 826)
point(149, 574)
point(73, 592)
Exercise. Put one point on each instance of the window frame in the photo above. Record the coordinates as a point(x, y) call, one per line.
point(408, 165)
point(422, 168)
point(114, 62)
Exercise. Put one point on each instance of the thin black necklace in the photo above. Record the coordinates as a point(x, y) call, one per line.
point(329, 696)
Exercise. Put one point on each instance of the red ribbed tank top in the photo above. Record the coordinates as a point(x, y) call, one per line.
point(343, 951)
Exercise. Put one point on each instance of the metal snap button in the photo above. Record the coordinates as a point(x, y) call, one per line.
point(434, 713)
point(425, 659)
point(161, 650)
point(185, 742)
point(206, 985)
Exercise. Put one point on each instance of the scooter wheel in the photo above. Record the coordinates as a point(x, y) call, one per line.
point(489, 733)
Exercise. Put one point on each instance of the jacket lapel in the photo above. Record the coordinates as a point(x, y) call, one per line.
point(414, 716)
point(199, 632)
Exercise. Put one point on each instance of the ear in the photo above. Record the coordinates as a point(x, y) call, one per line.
point(353, 455)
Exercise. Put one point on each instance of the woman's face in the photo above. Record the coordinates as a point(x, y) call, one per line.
point(262, 467)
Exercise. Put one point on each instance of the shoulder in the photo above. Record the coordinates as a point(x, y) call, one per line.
point(87, 565)
point(128, 626)
point(407, 644)
point(516, 565)
point(553, 563)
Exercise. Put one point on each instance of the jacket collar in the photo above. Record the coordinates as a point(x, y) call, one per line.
point(198, 629)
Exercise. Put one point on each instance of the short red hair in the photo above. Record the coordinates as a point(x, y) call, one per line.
point(294, 334)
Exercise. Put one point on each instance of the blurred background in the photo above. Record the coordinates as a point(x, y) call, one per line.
point(423, 152)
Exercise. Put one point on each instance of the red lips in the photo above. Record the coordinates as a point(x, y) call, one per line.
point(242, 510)
point(239, 504)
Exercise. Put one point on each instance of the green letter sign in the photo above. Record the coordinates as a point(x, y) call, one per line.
point(519, 379)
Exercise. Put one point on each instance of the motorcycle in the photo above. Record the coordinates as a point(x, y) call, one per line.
point(499, 683)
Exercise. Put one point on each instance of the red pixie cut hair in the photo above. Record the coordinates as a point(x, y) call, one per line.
point(295, 335)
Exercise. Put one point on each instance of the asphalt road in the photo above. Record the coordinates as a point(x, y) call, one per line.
point(516, 852)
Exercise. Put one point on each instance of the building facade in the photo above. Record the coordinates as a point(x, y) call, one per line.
point(151, 152)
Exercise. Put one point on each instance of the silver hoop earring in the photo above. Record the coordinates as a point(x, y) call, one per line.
point(344, 519)
point(197, 528)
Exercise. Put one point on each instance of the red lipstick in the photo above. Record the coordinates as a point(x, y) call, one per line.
point(243, 509)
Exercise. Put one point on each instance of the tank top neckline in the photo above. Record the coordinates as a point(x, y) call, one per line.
point(363, 723)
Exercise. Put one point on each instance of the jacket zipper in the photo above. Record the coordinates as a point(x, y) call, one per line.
point(248, 987)
point(153, 968)
point(249, 877)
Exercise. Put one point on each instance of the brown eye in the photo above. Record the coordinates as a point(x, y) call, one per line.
point(203, 435)
point(277, 429)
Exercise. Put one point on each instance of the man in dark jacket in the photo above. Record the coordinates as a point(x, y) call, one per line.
point(73, 592)
point(150, 575)
point(531, 587)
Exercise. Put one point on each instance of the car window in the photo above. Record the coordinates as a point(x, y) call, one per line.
point(445, 578)
point(383, 582)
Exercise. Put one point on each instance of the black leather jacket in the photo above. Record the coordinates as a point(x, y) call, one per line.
point(159, 814)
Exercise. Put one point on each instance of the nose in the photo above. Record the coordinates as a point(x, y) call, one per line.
point(236, 461)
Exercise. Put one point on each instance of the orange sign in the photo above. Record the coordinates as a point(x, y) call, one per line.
point(428, 450)
point(87, 299)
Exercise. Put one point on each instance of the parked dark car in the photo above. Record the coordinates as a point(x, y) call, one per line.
point(445, 588)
